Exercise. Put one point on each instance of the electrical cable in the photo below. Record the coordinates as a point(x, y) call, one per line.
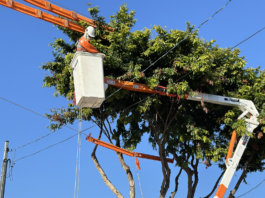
point(248, 38)
point(41, 115)
point(36, 140)
point(251, 189)
point(46, 148)
point(152, 64)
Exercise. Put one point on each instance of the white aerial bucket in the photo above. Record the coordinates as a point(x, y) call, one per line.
point(88, 79)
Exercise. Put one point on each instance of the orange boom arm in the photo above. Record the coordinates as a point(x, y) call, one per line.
point(41, 15)
point(58, 10)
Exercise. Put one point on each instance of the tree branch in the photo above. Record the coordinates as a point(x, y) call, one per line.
point(176, 184)
point(110, 127)
point(127, 170)
point(196, 177)
point(159, 116)
point(152, 126)
point(215, 186)
point(101, 171)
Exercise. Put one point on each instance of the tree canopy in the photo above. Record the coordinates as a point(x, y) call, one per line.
point(190, 131)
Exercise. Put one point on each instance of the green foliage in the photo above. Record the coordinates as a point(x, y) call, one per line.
point(203, 130)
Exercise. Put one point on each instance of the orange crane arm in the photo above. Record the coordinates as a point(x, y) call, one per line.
point(63, 12)
point(58, 10)
point(124, 151)
point(41, 15)
point(138, 87)
point(231, 146)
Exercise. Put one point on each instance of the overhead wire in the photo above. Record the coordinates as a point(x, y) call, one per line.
point(36, 140)
point(40, 115)
point(248, 37)
point(251, 189)
point(152, 64)
point(53, 145)
point(46, 148)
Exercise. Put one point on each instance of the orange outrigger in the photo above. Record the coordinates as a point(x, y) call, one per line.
point(126, 152)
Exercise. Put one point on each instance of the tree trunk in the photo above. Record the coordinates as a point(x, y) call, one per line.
point(166, 172)
point(105, 178)
point(189, 173)
point(127, 170)
point(176, 184)
point(231, 195)
point(129, 175)
point(196, 175)
point(101, 171)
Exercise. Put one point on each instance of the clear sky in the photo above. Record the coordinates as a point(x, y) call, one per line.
point(24, 46)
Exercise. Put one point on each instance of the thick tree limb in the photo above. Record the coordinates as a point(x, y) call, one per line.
point(102, 173)
point(127, 171)
point(215, 186)
point(166, 171)
point(196, 177)
point(159, 116)
point(176, 184)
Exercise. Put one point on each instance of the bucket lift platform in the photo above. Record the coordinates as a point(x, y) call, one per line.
point(88, 76)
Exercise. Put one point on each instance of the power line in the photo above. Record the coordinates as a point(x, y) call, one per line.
point(46, 148)
point(35, 140)
point(248, 38)
point(48, 135)
point(82, 132)
point(251, 189)
point(39, 114)
point(22, 107)
point(152, 64)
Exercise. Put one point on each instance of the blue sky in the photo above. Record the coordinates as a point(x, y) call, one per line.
point(51, 173)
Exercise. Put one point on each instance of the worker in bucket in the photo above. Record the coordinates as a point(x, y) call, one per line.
point(83, 44)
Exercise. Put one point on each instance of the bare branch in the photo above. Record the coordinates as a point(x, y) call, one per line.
point(127, 170)
point(196, 177)
point(175, 114)
point(176, 184)
point(215, 186)
point(159, 116)
point(109, 127)
point(152, 126)
point(102, 173)
point(169, 112)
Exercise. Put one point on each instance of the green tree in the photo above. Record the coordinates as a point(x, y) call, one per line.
point(190, 131)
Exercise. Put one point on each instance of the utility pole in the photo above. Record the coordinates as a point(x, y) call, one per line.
point(3, 171)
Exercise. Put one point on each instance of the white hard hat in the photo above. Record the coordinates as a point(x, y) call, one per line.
point(90, 31)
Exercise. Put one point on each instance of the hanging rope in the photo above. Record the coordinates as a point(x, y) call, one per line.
point(78, 156)
point(138, 167)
